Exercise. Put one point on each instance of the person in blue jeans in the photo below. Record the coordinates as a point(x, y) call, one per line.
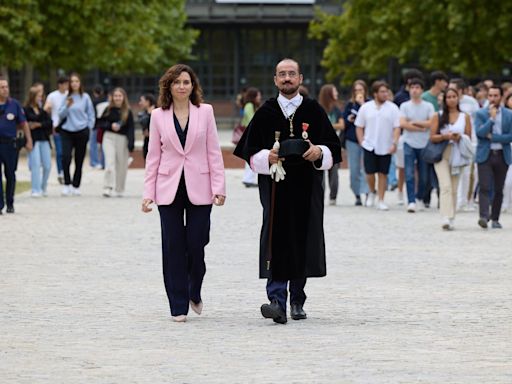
point(40, 158)
point(415, 122)
point(52, 105)
point(358, 183)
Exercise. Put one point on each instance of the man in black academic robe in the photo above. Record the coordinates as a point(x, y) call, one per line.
point(297, 249)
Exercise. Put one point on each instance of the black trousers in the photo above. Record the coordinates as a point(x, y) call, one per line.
point(76, 141)
point(276, 290)
point(491, 177)
point(185, 233)
point(8, 160)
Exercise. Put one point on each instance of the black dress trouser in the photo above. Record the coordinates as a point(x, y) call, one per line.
point(491, 177)
point(76, 141)
point(183, 243)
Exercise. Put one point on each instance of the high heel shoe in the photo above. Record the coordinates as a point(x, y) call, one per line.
point(197, 308)
point(179, 318)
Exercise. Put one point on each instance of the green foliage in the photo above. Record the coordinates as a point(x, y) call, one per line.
point(467, 36)
point(20, 26)
point(122, 36)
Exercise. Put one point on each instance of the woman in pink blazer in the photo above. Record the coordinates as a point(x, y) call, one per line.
point(184, 177)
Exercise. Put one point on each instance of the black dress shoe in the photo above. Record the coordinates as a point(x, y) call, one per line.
point(358, 201)
point(297, 312)
point(274, 311)
point(482, 222)
point(10, 210)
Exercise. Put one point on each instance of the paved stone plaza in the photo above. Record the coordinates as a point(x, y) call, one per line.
point(83, 301)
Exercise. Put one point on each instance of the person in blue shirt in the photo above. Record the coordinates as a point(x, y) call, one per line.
point(78, 112)
point(12, 117)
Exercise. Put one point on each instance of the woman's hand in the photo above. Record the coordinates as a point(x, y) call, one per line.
point(219, 200)
point(116, 127)
point(145, 205)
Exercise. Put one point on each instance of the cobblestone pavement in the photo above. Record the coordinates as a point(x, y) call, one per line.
point(82, 297)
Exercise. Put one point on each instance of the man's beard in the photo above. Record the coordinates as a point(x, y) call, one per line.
point(288, 91)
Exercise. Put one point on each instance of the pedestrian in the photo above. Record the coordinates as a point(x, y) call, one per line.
point(481, 94)
point(184, 176)
point(147, 103)
point(11, 116)
point(252, 101)
point(439, 83)
point(292, 238)
point(468, 178)
point(403, 93)
point(416, 120)
point(494, 131)
point(378, 132)
point(118, 141)
point(41, 127)
point(96, 159)
point(450, 125)
point(328, 99)
point(358, 184)
point(80, 119)
point(53, 102)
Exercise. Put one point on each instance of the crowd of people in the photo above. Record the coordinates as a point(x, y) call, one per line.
point(70, 122)
point(384, 137)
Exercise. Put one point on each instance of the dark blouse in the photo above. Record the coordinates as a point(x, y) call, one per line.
point(113, 115)
point(42, 133)
point(182, 133)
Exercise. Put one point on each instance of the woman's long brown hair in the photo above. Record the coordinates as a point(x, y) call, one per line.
point(165, 96)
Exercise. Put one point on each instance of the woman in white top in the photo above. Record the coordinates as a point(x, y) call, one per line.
point(449, 125)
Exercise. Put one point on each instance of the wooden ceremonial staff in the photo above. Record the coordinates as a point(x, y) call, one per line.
point(272, 207)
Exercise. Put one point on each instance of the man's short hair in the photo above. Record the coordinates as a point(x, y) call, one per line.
point(378, 85)
point(63, 80)
point(438, 75)
point(98, 89)
point(459, 83)
point(481, 86)
point(412, 73)
point(4, 78)
point(495, 86)
point(417, 81)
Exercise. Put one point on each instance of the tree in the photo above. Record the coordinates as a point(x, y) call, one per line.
point(470, 37)
point(20, 26)
point(123, 36)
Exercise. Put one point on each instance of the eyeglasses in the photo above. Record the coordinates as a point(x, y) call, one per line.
point(178, 83)
point(283, 74)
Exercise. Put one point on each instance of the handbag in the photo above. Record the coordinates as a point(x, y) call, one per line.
point(237, 133)
point(21, 141)
point(433, 152)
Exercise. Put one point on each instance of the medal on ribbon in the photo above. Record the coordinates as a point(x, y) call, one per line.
point(305, 127)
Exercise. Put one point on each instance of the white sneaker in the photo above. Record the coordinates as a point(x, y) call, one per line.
point(411, 208)
point(332, 202)
point(66, 191)
point(420, 205)
point(382, 206)
point(45, 193)
point(451, 224)
point(36, 194)
point(75, 191)
point(446, 224)
point(107, 192)
point(400, 198)
point(370, 199)
point(119, 194)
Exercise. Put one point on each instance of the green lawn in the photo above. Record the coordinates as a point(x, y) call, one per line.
point(21, 186)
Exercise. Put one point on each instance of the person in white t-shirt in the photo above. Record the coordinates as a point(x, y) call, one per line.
point(52, 105)
point(415, 121)
point(378, 131)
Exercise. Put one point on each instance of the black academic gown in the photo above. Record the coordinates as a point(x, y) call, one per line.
point(298, 247)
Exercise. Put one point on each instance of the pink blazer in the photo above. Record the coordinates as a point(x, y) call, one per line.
point(201, 159)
